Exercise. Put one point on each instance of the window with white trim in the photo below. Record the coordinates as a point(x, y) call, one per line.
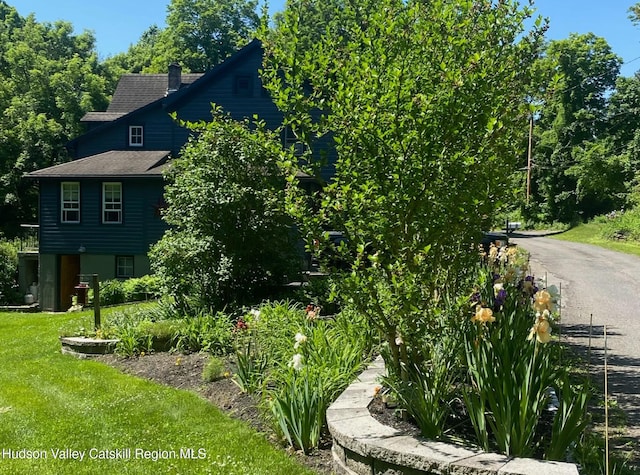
point(124, 267)
point(112, 202)
point(136, 136)
point(70, 202)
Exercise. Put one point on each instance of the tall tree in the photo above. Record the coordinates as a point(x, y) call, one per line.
point(634, 13)
point(48, 79)
point(581, 71)
point(199, 35)
point(425, 102)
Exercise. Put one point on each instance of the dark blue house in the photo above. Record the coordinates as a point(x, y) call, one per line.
point(100, 213)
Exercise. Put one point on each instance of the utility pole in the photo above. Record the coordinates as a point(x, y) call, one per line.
point(529, 152)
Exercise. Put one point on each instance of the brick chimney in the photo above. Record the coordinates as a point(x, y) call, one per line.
point(175, 78)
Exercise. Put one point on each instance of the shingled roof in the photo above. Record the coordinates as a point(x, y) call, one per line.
point(135, 91)
point(120, 163)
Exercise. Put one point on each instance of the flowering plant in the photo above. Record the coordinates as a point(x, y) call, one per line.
point(509, 362)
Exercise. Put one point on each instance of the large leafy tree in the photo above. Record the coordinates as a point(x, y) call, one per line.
point(425, 103)
point(231, 241)
point(581, 71)
point(48, 79)
point(199, 35)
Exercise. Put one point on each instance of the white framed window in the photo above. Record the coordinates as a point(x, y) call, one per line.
point(124, 267)
point(112, 202)
point(290, 140)
point(70, 202)
point(136, 136)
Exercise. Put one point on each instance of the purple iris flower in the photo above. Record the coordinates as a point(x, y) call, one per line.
point(500, 299)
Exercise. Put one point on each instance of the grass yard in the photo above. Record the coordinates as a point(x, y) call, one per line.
point(590, 233)
point(52, 404)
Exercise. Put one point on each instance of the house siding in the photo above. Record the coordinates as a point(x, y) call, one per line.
point(141, 224)
point(160, 133)
point(105, 265)
point(222, 91)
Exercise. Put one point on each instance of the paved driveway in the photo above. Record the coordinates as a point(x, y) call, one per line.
point(604, 284)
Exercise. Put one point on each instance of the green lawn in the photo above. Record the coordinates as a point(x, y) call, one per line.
point(589, 233)
point(51, 403)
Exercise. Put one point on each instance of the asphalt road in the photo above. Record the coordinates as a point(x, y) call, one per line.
point(603, 285)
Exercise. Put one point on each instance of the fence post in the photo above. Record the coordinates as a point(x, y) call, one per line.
point(96, 301)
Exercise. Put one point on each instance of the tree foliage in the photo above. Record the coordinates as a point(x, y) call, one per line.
point(580, 72)
point(425, 103)
point(199, 35)
point(48, 79)
point(231, 240)
point(9, 293)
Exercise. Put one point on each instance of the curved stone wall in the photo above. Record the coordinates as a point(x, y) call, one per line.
point(364, 446)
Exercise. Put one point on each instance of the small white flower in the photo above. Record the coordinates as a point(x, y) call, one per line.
point(300, 339)
point(296, 362)
point(255, 313)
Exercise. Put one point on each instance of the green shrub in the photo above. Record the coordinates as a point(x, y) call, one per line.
point(9, 273)
point(214, 370)
point(136, 289)
point(621, 225)
point(142, 288)
point(112, 292)
point(133, 341)
point(238, 247)
point(210, 333)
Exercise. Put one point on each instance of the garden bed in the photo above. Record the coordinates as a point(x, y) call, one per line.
point(363, 445)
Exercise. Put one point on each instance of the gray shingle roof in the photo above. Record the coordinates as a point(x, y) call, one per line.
point(115, 163)
point(102, 116)
point(137, 90)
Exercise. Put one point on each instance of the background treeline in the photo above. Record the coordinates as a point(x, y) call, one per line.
point(585, 138)
point(50, 77)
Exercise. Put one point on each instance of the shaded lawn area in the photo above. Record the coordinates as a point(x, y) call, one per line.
point(50, 402)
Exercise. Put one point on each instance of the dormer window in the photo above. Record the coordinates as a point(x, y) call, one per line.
point(136, 136)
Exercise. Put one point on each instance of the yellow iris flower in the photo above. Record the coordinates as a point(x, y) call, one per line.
point(541, 329)
point(483, 315)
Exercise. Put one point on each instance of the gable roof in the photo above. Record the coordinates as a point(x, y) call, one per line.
point(115, 163)
point(213, 73)
point(126, 100)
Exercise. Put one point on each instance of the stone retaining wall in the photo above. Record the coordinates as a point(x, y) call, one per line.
point(364, 446)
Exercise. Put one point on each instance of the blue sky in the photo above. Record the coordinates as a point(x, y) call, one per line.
point(119, 23)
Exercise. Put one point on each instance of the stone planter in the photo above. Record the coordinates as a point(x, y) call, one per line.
point(82, 346)
point(364, 446)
